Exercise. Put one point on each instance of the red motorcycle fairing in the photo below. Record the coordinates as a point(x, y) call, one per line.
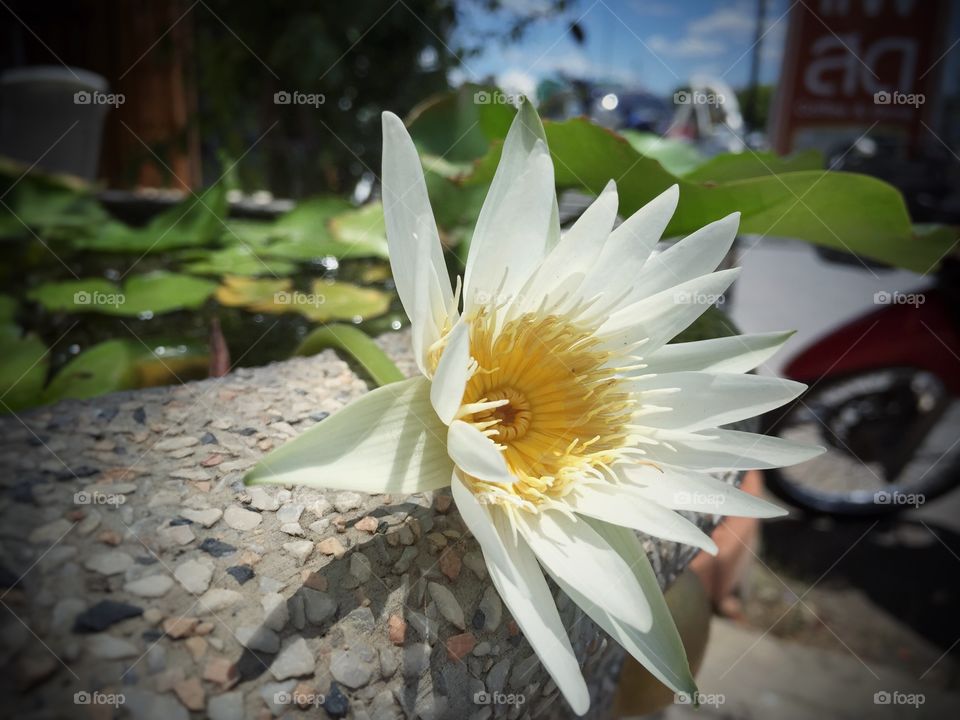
point(920, 334)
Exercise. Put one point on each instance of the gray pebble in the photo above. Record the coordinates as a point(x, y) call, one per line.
point(447, 604)
point(275, 611)
point(347, 501)
point(354, 667)
point(294, 660)
point(109, 562)
point(258, 637)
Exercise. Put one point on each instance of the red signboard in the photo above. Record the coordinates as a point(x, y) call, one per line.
point(856, 65)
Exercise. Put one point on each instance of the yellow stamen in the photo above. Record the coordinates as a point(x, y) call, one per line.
point(566, 413)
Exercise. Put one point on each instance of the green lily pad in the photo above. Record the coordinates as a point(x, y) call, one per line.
point(340, 301)
point(238, 260)
point(194, 222)
point(125, 365)
point(251, 293)
point(157, 292)
point(23, 370)
point(106, 367)
point(363, 230)
point(326, 300)
point(253, 233)
point(37, 204)
point(307, 233)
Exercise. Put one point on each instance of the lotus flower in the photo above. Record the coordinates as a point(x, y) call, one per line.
point(551, 402)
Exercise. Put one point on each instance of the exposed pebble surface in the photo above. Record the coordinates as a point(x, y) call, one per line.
point(135, 564)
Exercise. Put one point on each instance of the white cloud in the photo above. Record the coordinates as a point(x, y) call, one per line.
point(686, 47)
point(736, 21)
point(578, 65)
point(709, 35)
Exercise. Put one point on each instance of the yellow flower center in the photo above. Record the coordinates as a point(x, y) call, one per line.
point(547, 395)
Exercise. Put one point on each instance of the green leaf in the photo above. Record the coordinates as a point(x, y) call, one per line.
point(49, 209)
point(238, 260)
point(362, 231)
point(844, 211)
point(714, 323)
point(84, 295)
point(157, 292)
point(453, 129)
point(194, 222)
point(340, 301)
point(253, 294)
point(740, 166)
point(106, 367)
point(307, 232)
point(677, 156)
point(313, 213)
point(8, 309)
point(24, 363)
point(326, 300)
point(357, 345)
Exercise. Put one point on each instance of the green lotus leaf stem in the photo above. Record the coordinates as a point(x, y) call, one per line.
point(358, 345)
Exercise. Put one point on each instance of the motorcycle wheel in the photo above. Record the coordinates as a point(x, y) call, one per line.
point(892, 438)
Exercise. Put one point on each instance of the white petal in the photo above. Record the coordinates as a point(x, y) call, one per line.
point(697, 254)
point(518, 218)
point(577, 250)
point(706, 400)
point(481, 522)
point(621, 505)
point(660, 648)
point(525, 592)
point(453, 371)
point(682, 489)
point(416, 257)
point(715, 450)
point(660, 317)
point(734, 354)
point(389, 440)
point(571, 548)
point(626, 250)
point(476, 454)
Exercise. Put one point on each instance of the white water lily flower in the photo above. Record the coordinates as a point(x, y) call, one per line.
point(552, 403)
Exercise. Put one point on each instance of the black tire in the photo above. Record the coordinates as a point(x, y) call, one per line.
point(892, 421)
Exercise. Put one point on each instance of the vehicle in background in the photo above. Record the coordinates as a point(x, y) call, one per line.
point(707, 114)
point(614, 106)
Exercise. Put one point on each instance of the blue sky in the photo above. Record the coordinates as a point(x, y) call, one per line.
point(656, 44)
